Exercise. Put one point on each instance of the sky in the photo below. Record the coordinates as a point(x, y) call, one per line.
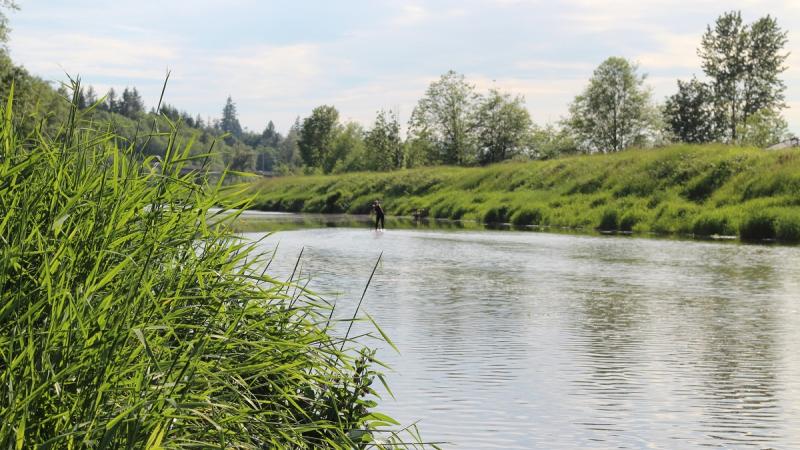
point(280, 59)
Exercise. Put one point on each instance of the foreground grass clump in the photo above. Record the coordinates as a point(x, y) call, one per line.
point(128, 321)
point(682, 189)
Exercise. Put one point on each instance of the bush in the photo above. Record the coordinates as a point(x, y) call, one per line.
point(527, 216)
point(787, 227)
point(757, 225)
point(609, 221)
point(712, 224)
point(496, 214)
point(629, 220)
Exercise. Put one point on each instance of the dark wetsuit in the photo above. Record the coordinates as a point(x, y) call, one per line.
point(378, 216)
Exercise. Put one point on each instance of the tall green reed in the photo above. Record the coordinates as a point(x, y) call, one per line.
point(132, 316)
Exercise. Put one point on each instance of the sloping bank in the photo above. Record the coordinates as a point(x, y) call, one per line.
point(701, 190)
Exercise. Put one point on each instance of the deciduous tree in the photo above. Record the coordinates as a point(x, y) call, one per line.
point(384, 147)
point(689, 113)
point(744, 63)
point(614, 112)
point(446, 117)
point(503, 127)
point(316, 136)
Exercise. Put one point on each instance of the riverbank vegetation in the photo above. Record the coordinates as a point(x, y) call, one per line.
point(133, 317)
point(702, 190)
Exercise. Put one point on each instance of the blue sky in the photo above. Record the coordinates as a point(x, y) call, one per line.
point(280, 59)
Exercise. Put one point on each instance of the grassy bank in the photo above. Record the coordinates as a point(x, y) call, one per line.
point(127, 321)
point(699, 190)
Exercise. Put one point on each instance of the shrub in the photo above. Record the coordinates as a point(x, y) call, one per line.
point(757, 225)
point(712, 224)
point(629, 220)
point(527, 216)
point(609, 220)
point(496, 214)
point(787, 227)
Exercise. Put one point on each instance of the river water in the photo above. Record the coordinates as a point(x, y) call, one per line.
point(529, 340)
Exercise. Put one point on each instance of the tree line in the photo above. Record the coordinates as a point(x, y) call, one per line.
point(739, 101)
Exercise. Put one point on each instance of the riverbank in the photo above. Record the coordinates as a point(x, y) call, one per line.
point(708, 190)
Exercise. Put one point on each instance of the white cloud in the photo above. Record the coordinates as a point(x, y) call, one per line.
point(411, 14)
point(675, 51)
point(85, 54)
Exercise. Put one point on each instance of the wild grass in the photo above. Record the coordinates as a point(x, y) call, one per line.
point(133, 317)
point(682, 189)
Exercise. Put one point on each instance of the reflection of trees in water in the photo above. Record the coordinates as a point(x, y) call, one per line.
point(608, 351)
point(733, 347)
point(736, 367)
point(715, 359)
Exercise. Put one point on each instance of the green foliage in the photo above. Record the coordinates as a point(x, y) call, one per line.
point(763, 129)
point(689, 113)
point(713, 223)
point(614, 112)
point(503, 127)
point(744, 62)
point(496, 215)
point(9, 4)
point(609, 221)
point(527, 216)
point(230, 119)
point(384, 147)
point(133, 317)
point(316, 137)
point(445, 117)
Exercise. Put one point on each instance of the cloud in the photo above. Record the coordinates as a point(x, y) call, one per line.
point(411, 14)
point(676, 51)
point(80, 53)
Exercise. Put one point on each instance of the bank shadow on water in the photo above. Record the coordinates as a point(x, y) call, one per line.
point(268, 221)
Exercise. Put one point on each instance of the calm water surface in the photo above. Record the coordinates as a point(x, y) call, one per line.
point(521, 340)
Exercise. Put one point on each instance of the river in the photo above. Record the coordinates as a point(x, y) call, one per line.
point(531, 340)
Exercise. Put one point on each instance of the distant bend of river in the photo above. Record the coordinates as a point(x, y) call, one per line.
point(514, 340)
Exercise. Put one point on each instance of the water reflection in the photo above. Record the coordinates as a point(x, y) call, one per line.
point(533, 340)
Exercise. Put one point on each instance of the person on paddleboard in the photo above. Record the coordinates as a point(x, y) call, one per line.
point(379, 215)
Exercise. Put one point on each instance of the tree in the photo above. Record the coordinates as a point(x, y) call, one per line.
point(289, 150)
point(111, 103)
point(445, 116)
point(614, 112)
point(91, 96)
point(131, 103)
point(689, 113)
point(347, 150)
point(384, 147)
point(230, 120)
point(242, 158)
point(8, 4)
point(743, 63)
point(503, 127)
point(550, 141)
point(316, 136)
point(270, 137)
point(762, 129)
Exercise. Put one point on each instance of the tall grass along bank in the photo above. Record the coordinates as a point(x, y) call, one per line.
point(689, 190)
point(127, 321)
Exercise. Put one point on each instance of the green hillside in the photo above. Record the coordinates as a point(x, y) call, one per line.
point(683, 189)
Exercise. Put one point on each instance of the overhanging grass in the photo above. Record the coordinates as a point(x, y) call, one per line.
point(127, 321)
point(683, 189)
